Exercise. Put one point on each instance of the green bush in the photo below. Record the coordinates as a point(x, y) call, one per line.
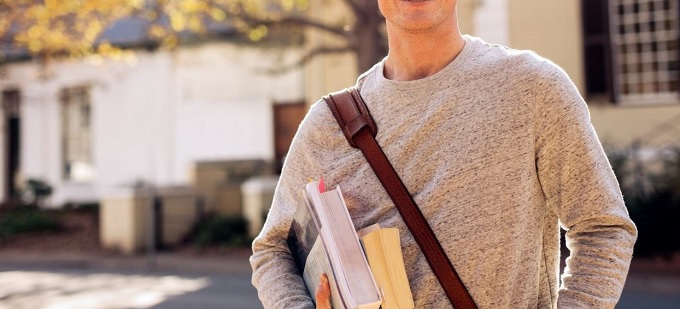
point(653, 201)
point(656, 216)
point(26, 221)
point(91, 207)
point(222, 231)
point(35, 192)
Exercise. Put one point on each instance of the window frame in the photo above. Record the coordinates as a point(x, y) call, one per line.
point(604, 71)
point(76, 95)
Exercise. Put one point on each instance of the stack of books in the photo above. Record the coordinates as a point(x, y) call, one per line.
point(323, 240)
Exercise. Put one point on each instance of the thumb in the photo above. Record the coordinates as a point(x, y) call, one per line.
point(323, 293)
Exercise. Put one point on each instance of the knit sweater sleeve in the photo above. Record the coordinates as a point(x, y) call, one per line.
point(581, 188)
point(275, 275)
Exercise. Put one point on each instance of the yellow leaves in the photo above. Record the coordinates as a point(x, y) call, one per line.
point(177, 21)
point(157, 31)
point(94, 28)
point(89, 5)
point(196, 24)
point(35, 46)
point(187, 14)
point(137, 4)
point(51, 4)
point(4, 25)
point(104, 47)
point(150, 15)
point(302, 4)
point(56, 40)
point(180, 22)
point(106, 51)
point(192, 6)
point(273, 6)
point(72, 27)
point(62, 26)
point(288, 5)
point(37, 13)
point(35, 32)
point(218, 14)
point(258, 33)
point(170, 41)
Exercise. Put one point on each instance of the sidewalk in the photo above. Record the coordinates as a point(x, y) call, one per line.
point(235, 262)
point(99, 280)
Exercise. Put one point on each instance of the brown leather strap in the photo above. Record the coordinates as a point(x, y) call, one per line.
point(358, 126)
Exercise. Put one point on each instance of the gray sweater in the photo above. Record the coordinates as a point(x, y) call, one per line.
point(498, 151)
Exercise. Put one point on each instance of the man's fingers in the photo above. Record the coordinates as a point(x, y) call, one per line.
point(323, 294)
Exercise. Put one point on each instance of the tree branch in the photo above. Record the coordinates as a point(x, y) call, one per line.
point(287, 20)
point(296, 21)
point(322, 50)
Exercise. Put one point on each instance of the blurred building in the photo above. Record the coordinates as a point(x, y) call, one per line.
point(623, 55)
point(89, 127)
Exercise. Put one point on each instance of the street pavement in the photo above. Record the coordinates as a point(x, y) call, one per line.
point(59, 288)
point(171, 282)
point(166, 281)
point(651, 291)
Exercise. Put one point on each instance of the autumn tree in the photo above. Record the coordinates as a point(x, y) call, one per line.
point(52, 27)
point(73, 28)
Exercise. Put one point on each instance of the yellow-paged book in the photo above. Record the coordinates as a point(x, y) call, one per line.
point(383, 251)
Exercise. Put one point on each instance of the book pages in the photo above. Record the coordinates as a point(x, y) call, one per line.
point(318, 264)
point(383, 250)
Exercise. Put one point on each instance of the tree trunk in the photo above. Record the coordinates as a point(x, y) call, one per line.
point(369, 43)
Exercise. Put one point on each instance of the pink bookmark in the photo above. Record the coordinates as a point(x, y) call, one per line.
point(322, 186)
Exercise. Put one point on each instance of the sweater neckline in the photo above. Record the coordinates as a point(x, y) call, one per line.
point(446, 73)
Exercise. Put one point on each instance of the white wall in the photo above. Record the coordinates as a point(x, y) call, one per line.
point(208, 129)
point(491, 21)
point(151, 120)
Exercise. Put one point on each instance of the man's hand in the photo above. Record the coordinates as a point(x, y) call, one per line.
point(323, 294)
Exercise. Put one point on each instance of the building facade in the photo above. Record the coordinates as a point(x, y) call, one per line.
point(89, 127)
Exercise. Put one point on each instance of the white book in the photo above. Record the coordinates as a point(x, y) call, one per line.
point(323, 239)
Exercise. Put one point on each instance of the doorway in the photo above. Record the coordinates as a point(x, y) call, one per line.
point(10, 106)
point(287, 119)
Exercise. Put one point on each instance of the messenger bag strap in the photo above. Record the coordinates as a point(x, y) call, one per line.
point(360, 130)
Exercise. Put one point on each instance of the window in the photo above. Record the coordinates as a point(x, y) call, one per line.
point(631, 50)
point(77, 135)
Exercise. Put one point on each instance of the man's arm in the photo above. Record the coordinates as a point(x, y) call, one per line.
point(579, 184)
point(275, 275)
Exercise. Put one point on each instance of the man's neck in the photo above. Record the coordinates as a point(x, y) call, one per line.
point(418, 55)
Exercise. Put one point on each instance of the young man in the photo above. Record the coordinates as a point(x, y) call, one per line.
point(497, 149)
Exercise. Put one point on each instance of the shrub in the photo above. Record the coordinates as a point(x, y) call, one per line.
point(656, 215)
point(224, 231)
point(653, 201)
point(28, 220)
point(36, 191)
point(92, 207)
